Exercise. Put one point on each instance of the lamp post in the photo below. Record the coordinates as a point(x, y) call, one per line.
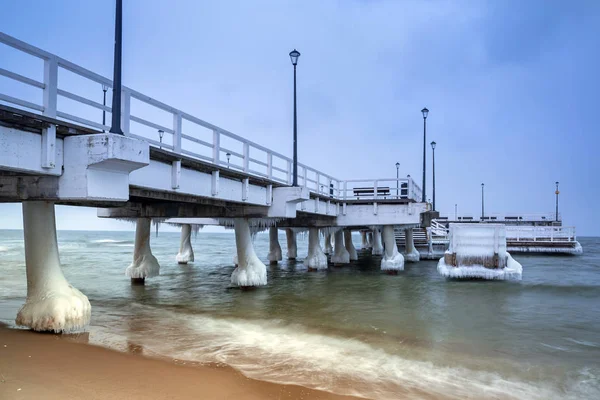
point(456, 212)
point(116, 100)
point(161, 133)
point(425, 112)
point(294, 54)
point(397, 179)
point(482, 209)
point(557, 192)
point(228, 155)
point(104, 89)
point(433, 156)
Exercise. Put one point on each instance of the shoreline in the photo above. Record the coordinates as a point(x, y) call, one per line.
point(44, 365)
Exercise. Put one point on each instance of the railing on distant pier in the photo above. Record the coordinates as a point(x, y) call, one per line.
point(506, 217)
point(540, 233)
point(186, 134)
point(391, 188)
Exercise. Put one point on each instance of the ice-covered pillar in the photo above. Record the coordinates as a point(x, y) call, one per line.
point(349, 245)
point(411, 254)
point(292, 248)
point(340, 254)
point(316, 259)
point(274, 247)
point(370, 239)
point(392, 260)
point(186, 253)
point(328, 247)
point(377, 246)
point(52, 304)
point(364, 240)
point(250, 270)
point(144, 264)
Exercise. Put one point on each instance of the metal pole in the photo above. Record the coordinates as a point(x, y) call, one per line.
point(116, 100)
point(295, 180)
point(433, 178)
point(482, 209)
point(424, 153)
point(557, 193)
point(456, 212)
point(104, 89)
point(397, 180)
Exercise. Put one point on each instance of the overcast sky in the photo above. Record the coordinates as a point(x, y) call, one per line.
point(512, 87)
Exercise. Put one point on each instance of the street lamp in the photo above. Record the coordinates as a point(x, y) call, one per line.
point(425, 112)
point(104, 89)
point(482, 209)
point(228, 155)
point(397, 178)
point(294, 54)
point(433, 156)
point(161, 133)
point(116, 100)
point(557, 192)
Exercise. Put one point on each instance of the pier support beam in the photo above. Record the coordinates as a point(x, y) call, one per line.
point(274, 247)
point(340, 254)
point(52, 304)
point(364, 240)
point(328, 247)
point(411, 253)
point(292, 248)
point(186, 253)
point(316, 260)
point(349, 245)
point(392, 260)
point(370, 240)
point(250, 270)
point(377, 246)
point(144, 264)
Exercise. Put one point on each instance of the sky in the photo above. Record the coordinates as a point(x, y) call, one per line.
point(511, 87)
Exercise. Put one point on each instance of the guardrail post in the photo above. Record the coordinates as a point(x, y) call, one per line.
point(217, 148)
point(246, 157)
point(269, 165)
point(177, 124)
point(50, 101)
point(125, 111)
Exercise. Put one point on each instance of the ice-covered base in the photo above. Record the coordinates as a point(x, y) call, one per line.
point(394, 263)
point(185, 257)
point(377, 249)
point(413, 256)
point(61, 309)
point(316, 259)
point(340, 254)
point(186, 253)
point(577, 249)
point(144, 264)
point(250, 270)
point(513, 271)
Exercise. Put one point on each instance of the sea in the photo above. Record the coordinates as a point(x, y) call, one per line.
point(350, 330)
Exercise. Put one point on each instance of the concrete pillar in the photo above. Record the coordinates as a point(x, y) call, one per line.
point(349, 245)
point(250, 270)
point(52, 304)
point(364, 240)
point(377, 246)
point(370, 239)
point(328, 247)
point(292, 248)
point(144, 263)
point(392, 260)
point(186, 253)
point(274, 247)
point(411, 254)
point(340, 254)
point(316, 259)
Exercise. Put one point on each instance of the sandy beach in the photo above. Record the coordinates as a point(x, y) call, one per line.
point(48, 366)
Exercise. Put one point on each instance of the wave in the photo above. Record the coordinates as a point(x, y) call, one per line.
point(4, 248)
point(110, 241)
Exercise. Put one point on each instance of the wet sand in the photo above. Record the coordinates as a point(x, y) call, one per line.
point(48, 366)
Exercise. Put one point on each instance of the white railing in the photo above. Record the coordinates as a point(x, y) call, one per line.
point(369, 189)
point(540, 233)
point(184, 134)
point(438, 229)
point(507, 217)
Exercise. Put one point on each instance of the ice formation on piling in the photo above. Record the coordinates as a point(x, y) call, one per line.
point(186, 253)
point(328, 246)
point(144, 264)
point(316, 259)
point(52, 304)
point(411, 254)
point(274, 247)
point(392, 259)
point(369, 239)
point(250, 270)
point(349, 245)
point(377, 246)
point(364, 240)
point(292, 248)
point(479, 251)
point(340, 254)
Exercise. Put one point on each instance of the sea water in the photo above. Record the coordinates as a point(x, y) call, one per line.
point(349, 330)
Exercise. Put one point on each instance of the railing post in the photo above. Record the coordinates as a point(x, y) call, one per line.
point(177, 124)
point(125, 111)
point(270, 165)
point(345, 189)
point(50, 101)
point(246, 157)
point(375, 190)
point(217, 148)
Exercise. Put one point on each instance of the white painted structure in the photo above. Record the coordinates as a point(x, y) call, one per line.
point(349, 245)
point(316, 259)
point(144, 264)
point(292, 247)
point(250, 271)
point(392, 259)
point(186, 253)
point(377, 248)
point(410, 252)
point(340, 254)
